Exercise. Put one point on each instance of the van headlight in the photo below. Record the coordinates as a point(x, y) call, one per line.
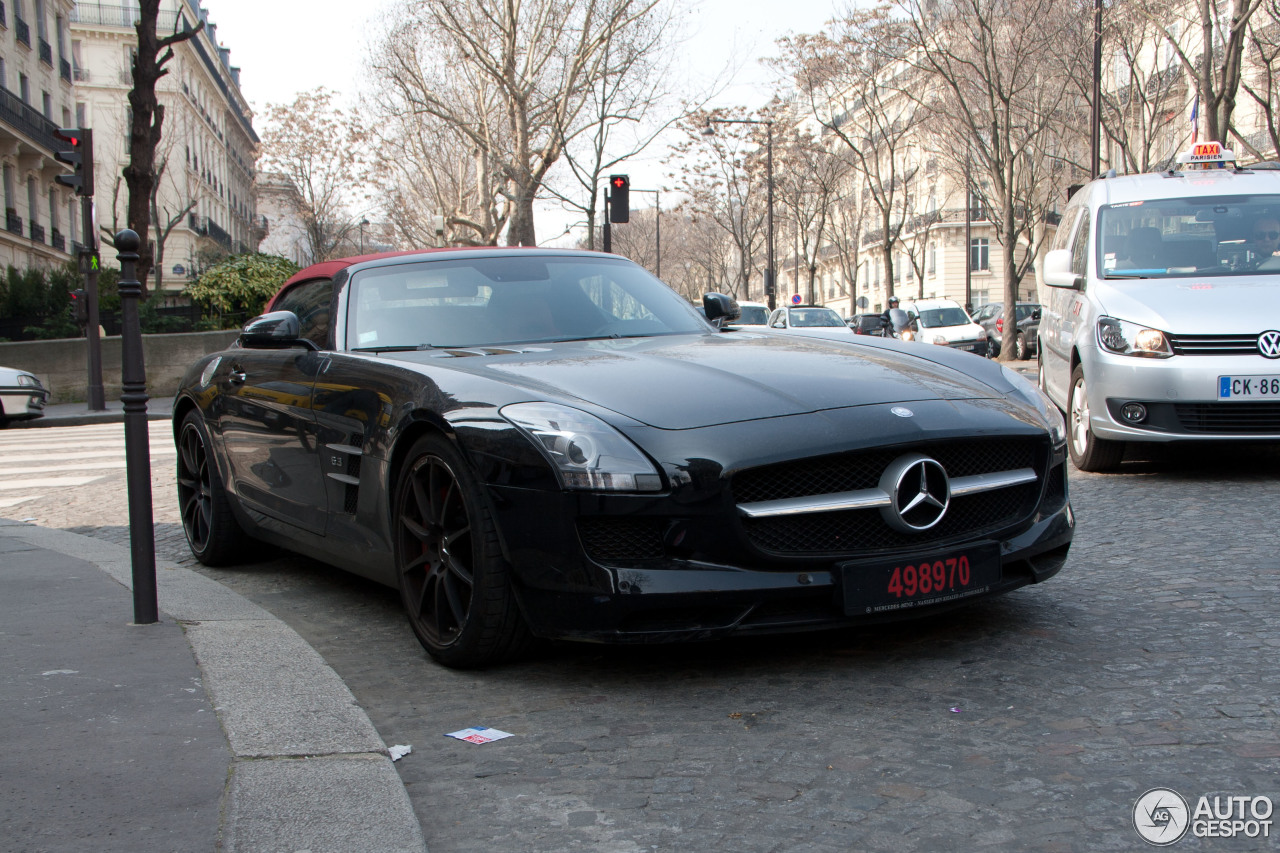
point(1125, 338)
point(585, 451)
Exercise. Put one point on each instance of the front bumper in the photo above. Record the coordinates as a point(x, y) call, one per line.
point(23, 401)
point(1180, 396)
point(680, 602)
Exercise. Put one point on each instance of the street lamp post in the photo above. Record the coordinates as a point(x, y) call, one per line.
point(769, 289)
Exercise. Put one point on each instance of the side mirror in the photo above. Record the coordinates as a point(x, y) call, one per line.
point(276, 330)
point(720, 309)
point(1035, 315)
point(1057, 270)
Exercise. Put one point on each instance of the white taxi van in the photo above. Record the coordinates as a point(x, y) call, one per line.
point(1161, 315)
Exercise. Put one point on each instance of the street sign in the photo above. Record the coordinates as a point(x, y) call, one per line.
point(89, 261)
point(795, 299)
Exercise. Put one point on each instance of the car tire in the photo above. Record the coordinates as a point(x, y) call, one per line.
point(1088, 452)
point(1020, 347)
point(454, 581)
point(213, 534)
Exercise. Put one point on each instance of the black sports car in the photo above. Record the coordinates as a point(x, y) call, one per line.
point(554, 443)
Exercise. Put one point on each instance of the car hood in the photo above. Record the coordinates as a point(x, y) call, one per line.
point(690, 381)
point(1202, 306)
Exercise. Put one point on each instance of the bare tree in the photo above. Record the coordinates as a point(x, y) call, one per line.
point(319, 149)
point(166, 218)
point(998, 97)
point(809, 183)
point(540, 60)
point(147, 121)
point(857, 86)
point(1208, 37)
point(723, 176)
point(1264, 85)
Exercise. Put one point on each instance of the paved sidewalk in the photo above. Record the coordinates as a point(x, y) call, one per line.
point(217, 728)
point(78, 414)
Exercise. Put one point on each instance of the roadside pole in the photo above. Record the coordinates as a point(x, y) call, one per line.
point(137, 449)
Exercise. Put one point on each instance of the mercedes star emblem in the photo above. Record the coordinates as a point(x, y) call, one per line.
point(919, 493)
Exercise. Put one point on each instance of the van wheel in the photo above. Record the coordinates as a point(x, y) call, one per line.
point(1088, 452)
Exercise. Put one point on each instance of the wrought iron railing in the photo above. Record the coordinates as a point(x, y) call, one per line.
point(26, 119)
point(22, 30)
point(12, 222)
point(58, 241)
point(37, 232)
point(46, 52)
point(103, 15)
point(64, 70)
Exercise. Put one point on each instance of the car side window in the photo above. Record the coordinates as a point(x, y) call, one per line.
point(310, 300)
point(1080, 247)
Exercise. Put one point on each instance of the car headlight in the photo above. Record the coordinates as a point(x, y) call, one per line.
point(1043, 405)
point(28, 380)
point(585, 451)
point(1125, 338)
point(940, 340)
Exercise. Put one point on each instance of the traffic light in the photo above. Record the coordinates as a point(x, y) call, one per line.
point(619, 198)
point(78, 155)
point(79, 305)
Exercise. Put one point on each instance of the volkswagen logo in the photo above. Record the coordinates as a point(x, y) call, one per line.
point(1269, 344)
point(919, 493)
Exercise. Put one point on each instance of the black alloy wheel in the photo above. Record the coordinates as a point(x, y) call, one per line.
point(213, 534)
point(454, 581)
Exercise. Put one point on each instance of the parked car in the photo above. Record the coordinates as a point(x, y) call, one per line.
point(753, 314)
point(554, 443)
point(943, 321)
point(867, 324)
point(22, 396)
point(1162, 316)
point(816, 321)
point(1027, 317)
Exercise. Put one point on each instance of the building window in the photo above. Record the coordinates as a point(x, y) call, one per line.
point(46, 104)
point(933, 259)
point(33, 203)
point(979, 254)
point(80, 114)
point(24, 88)
point(53, 209)
point(8, 188)
point(73, 222)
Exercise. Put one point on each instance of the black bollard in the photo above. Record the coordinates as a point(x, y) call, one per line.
point(137, 449)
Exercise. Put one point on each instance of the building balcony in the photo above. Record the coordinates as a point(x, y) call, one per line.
point(114, 15)
point(13, 222)
point(64, 70)
point(81, 75)
point(22, 31)
point(37, 232)
point(58, 241)
point(222, 238)
point(28, 121)
point(46, 52)
point(4, 21)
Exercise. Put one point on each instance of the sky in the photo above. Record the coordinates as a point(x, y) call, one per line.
point(327, 40)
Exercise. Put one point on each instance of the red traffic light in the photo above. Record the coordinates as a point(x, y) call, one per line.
point(619, 182)
point(620, 198)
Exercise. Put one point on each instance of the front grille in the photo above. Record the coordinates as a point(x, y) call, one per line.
point(849, 472)
point(862, 531)
point(613, 539)
point(1214, 344)
point(852, 532)
point(1055, 488)
point(1229, 418)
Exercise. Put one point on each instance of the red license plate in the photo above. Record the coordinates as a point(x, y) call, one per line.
point(905, 583)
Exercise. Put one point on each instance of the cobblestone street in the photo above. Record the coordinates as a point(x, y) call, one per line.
point(1033, 721)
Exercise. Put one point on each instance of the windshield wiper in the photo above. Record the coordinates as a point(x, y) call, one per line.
point(399, 348)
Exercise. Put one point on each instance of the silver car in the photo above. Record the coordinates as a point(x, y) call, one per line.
point(22, 397)
point(1161, 319)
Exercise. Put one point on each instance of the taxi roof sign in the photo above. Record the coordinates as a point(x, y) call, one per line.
point(1206, 155)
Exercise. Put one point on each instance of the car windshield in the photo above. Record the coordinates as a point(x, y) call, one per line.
point(814, 317)
point(935, 317)
point(493, 301)
point(1202, 235)
point(754, 315)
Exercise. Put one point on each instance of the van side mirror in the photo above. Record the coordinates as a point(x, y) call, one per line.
point(1057, 270)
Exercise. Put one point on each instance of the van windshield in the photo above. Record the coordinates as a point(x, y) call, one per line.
point(1201, 235)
